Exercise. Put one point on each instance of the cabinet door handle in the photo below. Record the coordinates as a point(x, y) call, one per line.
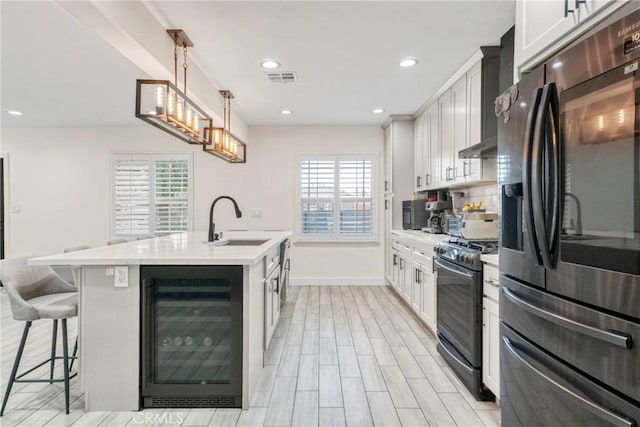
point(492, 283)
point(386, 204)
point(579, 2)
point(427, 180)
point(395, 259)
point(418, 181)
point(464, 169)
point(386, 185)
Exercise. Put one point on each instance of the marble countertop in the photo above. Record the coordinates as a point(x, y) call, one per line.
point(190, 248)
point(421, 236)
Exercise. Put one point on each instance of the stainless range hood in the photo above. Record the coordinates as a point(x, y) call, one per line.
point(486, 149)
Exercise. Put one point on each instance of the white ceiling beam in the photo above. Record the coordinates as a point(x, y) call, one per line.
point(137, 34)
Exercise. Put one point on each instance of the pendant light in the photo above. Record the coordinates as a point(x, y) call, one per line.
point(162, 104)
point(224, 143)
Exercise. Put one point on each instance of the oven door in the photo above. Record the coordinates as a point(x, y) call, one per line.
point(459, 309)
point(599, 251)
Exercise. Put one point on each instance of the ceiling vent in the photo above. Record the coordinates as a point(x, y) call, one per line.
point(283, 77)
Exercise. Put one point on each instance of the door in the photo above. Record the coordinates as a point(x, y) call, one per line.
point(388, 159)
point(518, 257)
point(459, 309)
point(418, 170)
point(426, 149)
point(539, 390)
point(428, 306)
point(191, 332)
point(416, 285)
point(445, 113)
point(1, 208)
point(599, 215)
point(459, 114)
point(472, 168)
point(435, 161)
point(491, 345)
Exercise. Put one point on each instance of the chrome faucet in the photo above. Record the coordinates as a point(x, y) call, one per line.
point(212, 226)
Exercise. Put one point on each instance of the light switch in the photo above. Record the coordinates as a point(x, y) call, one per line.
point(256, 213)
point(121, 276)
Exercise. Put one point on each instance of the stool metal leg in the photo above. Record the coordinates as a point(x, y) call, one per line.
point(16, 363)
point(65, 354)
point(75, 351)
point(54, 338)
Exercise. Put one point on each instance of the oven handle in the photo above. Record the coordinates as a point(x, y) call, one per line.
point(453, 269)
point(599, 411)
point(619, 339)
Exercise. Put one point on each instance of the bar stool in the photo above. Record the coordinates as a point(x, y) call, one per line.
point(37, 292)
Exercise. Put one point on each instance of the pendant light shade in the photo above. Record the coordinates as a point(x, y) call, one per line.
point(161, 104)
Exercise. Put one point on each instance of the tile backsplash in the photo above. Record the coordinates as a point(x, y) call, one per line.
point(486, 194)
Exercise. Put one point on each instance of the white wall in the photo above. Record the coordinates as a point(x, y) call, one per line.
point(60, 179)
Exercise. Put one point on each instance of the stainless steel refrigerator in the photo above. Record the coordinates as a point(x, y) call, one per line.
point(569, 173)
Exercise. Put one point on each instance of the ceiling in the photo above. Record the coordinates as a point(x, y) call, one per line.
point(345, 54)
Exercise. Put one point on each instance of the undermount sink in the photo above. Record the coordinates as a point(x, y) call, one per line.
point(239, 242)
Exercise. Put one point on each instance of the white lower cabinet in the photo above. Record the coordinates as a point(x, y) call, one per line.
point(428, 306)
point(491, 330)
point(413, 277)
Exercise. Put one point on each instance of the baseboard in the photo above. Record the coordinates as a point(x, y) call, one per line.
point(334, 281)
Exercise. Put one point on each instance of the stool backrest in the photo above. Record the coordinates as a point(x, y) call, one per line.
point(24, 282)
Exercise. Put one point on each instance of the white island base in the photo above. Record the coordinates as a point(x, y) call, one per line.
point(109, 318)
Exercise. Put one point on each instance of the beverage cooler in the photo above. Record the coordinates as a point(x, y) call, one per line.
point(191, 336)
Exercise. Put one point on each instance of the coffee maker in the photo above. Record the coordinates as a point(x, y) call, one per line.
point(437, 212)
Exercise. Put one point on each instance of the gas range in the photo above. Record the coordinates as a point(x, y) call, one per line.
point(466, 253)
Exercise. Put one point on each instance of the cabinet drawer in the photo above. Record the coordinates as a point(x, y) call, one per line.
point(423, 254)
point(272, 260)
point(490, 282)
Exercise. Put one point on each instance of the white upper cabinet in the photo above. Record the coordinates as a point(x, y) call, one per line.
point(543, 26)
point(472, 168)
point(418, 147)
point(432, 148)
point(460, 115)
point(445, 112)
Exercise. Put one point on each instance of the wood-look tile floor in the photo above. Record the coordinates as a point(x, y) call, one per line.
point(341, 355)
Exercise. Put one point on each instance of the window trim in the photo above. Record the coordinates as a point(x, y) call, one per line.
point(336, 237)
point(152, 157)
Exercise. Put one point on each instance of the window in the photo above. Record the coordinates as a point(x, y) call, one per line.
point(151, 194)
point(336, 197)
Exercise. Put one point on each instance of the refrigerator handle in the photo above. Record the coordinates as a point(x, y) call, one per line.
point(555, 162)
point(537, 164)
point(527, 172)
point(601, 412)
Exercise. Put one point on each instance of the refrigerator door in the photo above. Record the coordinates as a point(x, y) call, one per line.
point(519, 252)
point(539, 390)
point(599, 259)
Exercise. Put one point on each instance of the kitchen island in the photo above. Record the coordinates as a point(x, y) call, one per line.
point(109, 317)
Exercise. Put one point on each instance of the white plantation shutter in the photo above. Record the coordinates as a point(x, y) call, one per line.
point(132, 197)
point(317, 191)
point(336, 197)
point(152, 194)
point(356, 196)
point(171, 196)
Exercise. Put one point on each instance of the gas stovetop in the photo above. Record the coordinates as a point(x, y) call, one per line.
point(466, 253)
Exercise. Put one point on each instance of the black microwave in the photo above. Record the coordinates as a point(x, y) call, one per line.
point(414, 214)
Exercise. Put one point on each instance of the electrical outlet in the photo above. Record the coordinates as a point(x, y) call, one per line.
point(109, 272)
point(256, 213)
point(15, 209)
point(121, 276)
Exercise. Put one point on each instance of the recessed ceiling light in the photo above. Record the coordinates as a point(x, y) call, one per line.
point(377, 110)
point(409, 62)
point(14, 112)
point(557, 64)
point(269, 64)
point(286, 112)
